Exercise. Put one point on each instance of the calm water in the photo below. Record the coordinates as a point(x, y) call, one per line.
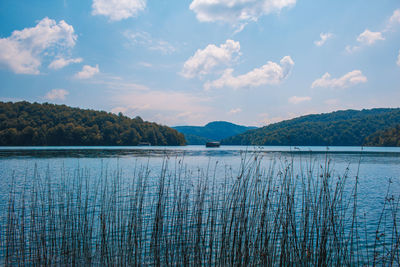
point(376, 166)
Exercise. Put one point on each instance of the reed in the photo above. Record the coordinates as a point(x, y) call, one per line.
point(270, 215)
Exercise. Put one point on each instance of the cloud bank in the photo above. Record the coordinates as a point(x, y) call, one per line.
point(394, 19)
point(87, 72)
point(237, 11)
point(23, 51)
point(204, 60)
point(270, 73)
point(349, 79)
point(62, 62)
point(57, 94)
point(324, 37)
point(369, 38)
point(117, 10)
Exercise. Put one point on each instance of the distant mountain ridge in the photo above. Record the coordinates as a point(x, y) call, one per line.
point(339, 128)
point(213, 131)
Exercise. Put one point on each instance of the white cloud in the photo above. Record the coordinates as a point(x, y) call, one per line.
point(87, 72)
point(369, 38)
point(351, 49)
point(352, 78)
point(365, 38)
point(298, 99)
point(118, 9)
point(398, 59)
point(146, 40)
point(270, 73)
point(235, 111)
point(61, 62)
point(203, 61)
point(22, 52)
point(324, 37)
point(236, 11)
point(394, 19)
point(57, 94)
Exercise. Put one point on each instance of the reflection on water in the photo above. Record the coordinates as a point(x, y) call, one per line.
point(103, 152)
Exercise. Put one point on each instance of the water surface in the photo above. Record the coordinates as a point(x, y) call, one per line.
point(376, 166)
point(375, 169)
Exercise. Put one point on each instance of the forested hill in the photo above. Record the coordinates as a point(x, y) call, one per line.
point(213, 131)
point(340, 128)
point(390, 137)
point(26, 124)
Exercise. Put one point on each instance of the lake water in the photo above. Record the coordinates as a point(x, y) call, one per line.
point(376, 165)
point(376, 168)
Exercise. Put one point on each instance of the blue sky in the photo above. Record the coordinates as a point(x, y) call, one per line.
point(195, 61)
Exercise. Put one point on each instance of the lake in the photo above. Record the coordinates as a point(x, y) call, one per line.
point(377, 164)
point(375, 169)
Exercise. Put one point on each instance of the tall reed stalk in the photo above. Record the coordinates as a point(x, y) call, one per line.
point(274, 215)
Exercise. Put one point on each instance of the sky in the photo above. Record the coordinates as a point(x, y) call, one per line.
point(190, 62)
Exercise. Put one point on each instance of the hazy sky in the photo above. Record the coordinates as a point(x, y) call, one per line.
point(189, 62)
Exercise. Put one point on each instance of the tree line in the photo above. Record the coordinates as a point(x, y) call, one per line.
point(390, 137)
point(34, 124)
point(340, 128)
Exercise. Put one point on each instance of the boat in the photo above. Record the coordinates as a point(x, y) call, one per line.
point(213, 144)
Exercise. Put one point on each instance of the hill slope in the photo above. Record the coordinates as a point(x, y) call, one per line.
point(340, 128)
point(390, 137)
point(213, 131)
point(23, 123)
